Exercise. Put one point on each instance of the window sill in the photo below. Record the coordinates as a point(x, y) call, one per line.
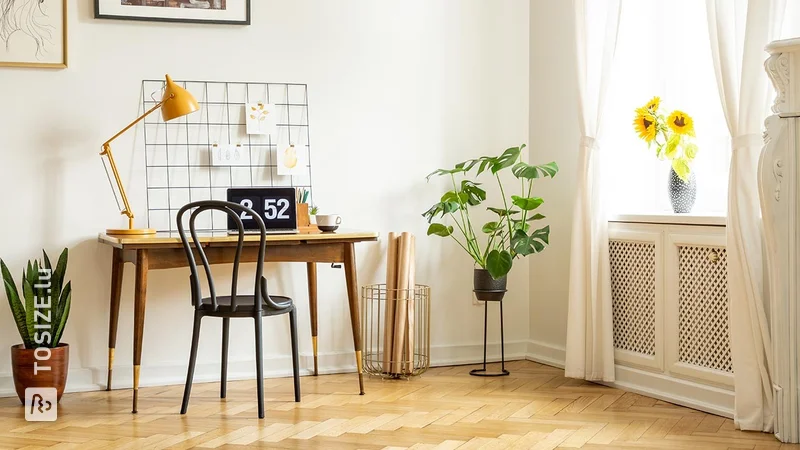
point(696, 219)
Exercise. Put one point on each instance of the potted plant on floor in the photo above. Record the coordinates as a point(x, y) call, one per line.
point(40, 314)
point(504, 239)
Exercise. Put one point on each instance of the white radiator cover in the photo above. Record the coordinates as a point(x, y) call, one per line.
point(670, 307)
point(633, 287)
point(703, 328)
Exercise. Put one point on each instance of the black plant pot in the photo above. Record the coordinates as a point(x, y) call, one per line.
point(682, 193)
point(486, 288)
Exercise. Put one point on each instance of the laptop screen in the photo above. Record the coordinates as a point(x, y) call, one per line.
point(276, 205)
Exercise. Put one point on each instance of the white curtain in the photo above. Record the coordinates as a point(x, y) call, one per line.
point(590, 346)
point(739, 30)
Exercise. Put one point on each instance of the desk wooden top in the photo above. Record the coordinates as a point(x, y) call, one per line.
point(169, 239)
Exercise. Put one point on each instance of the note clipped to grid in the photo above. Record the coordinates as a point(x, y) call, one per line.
point(262, 118)
point(292, 159)
point(229, 155)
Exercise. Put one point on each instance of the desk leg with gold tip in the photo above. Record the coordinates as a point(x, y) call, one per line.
point(312, 304)
point(117, 267)
point(140, 300)
point(352, 299)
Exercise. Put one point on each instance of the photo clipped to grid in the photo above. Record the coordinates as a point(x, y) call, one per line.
point(180, 166)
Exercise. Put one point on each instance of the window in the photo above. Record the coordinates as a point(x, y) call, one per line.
point(791, 26)
point(663, 50)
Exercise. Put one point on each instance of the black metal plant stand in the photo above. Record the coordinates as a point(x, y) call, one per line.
point(486, 297)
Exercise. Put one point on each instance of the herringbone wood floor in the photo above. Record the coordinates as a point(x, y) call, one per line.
point(536, 407)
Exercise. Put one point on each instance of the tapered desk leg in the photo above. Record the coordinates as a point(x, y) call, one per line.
point(117, 266)
point(352, 297)
point(312, 303)
point(140, 299)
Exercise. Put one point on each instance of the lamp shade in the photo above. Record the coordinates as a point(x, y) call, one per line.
point(178, 102)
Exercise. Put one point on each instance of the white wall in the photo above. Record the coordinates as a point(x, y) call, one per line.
point(554, 136)
point(396, 89)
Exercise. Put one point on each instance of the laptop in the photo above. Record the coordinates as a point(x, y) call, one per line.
point(276, 205)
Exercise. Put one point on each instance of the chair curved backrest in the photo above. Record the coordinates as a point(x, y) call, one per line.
point(233, 210)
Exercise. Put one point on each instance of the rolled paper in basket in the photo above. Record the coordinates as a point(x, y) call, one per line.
point(411, 329)
point(391, 285)
point(401, 310)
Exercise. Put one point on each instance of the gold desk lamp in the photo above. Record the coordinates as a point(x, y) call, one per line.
point(176, 102)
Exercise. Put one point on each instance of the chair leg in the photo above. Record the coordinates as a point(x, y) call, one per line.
point(192, 360)
point(259, 368)
point(226, 328)
point(295, 356)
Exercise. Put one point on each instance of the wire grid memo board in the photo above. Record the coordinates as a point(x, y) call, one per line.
point(178, 160)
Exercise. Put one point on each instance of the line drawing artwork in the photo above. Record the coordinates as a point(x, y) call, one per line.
point(28, 17)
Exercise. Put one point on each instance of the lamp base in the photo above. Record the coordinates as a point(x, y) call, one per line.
point(131, 232)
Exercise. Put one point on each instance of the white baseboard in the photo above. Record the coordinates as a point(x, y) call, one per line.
point(682, 392)
point(456, 355)
point(548, 354)
point(275, 366)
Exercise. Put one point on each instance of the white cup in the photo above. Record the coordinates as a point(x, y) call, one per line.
point(328, 222)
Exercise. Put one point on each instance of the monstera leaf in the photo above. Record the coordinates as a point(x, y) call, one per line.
point(440, 230)
point(529, 172)
point(526, 203)
point(524, 244)
point(499, 263)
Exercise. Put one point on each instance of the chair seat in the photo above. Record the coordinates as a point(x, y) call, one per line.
point(245, 305)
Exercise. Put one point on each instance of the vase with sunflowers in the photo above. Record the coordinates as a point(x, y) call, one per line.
point(672, 136)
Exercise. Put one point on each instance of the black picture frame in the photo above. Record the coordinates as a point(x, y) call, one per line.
point(98, 15)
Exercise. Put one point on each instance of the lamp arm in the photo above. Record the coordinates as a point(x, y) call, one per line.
point(132, 124)
point(107, 152)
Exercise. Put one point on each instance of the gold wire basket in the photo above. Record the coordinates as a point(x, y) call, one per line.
point(414, 310)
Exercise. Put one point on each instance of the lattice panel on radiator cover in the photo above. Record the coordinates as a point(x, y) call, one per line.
point(633, 290)
point(703, 335)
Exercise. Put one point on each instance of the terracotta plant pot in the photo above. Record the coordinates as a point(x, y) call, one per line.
point(23, 362)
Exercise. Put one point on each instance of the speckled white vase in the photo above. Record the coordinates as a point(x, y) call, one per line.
point(681, 194)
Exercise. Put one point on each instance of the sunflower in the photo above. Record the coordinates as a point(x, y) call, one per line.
point(645, 124)
point(681, 123)
point(653, 104)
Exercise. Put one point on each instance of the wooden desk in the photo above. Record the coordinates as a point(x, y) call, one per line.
point(164, 251)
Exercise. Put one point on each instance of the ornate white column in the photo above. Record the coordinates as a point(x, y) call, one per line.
point(779, 167)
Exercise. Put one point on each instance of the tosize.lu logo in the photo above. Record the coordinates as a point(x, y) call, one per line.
point(41, 404)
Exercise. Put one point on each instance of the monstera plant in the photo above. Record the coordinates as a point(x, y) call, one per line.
point(513, 233)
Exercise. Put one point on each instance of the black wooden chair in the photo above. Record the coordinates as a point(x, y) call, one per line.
point(234, 305)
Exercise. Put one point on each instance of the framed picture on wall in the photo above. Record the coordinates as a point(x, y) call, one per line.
point(33, 33)
point(231, 12)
